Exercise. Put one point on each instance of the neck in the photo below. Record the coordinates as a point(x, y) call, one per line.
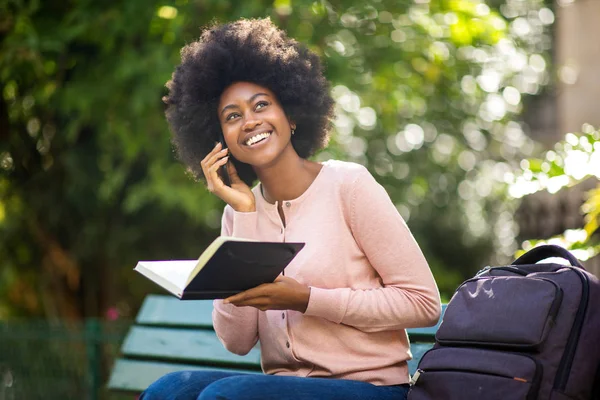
point(288, 178)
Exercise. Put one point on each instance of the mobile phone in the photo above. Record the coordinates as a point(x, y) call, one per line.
point(223, 173)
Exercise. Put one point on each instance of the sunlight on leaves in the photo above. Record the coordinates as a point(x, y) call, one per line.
point(167, 12)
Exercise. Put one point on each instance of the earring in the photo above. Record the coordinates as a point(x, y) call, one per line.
point(293, 131)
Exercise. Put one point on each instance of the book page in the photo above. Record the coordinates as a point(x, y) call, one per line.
point(176, 272)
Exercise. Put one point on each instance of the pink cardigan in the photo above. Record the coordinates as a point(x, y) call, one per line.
point(368, 277)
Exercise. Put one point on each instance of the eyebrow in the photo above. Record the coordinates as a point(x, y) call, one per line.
point(248, 101)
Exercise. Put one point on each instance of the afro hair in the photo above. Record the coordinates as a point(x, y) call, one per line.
point(247, 50)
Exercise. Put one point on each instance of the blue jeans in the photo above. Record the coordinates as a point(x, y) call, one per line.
point(221, 385)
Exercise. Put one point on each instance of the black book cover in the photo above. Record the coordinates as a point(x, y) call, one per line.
point(239, 266)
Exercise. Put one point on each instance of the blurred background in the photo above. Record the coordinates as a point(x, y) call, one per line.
point(478, 117)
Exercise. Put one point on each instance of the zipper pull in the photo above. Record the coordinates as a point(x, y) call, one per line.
point(415, 377)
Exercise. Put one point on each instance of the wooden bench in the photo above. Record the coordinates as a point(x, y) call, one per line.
point(172, 335)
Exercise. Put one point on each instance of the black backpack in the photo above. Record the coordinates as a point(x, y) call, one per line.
point(522, 331)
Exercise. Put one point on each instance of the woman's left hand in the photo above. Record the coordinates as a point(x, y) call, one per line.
point(283, 294)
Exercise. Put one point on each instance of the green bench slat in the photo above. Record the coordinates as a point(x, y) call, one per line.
point(164, 310)
point(137, 375)
point(161, 310)
point(186, 345)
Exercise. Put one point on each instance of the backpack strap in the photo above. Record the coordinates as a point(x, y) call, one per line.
point(546, 251)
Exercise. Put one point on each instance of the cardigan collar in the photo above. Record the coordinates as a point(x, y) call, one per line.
point(291, 203)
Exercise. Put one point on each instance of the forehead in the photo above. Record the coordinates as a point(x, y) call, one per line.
point(241, 92)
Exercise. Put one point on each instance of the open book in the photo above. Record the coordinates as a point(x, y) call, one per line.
point(228, 266)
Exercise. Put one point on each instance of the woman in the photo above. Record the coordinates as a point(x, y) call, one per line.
point(333, 325)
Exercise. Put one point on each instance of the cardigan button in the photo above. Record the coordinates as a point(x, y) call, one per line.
point(288, 204)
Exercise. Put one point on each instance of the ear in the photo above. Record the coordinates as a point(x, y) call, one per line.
point(291, 122)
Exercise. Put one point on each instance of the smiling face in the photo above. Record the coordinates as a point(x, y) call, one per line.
point(255, 127)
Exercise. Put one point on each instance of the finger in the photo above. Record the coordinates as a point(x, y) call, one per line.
point(207, 162)
point(215, 150)
point(243, 302)
point(233, 174)
point(210, 170)
point(259, 303)
point(218, 164)
point(216, 156)
point(282, 279)
point(237, 298)
point(213, 171)
point(254, 302)
point(241, 297)
point(248, 294)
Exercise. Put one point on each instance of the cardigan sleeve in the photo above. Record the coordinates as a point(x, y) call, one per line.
point(408, 296)
point(236, 327)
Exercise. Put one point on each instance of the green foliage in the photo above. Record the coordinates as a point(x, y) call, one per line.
point(427, 97)
point(573, 160)
point(427, 94)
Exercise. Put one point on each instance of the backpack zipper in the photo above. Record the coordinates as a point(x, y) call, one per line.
point(415, 377)
point(566, 362)
point(489, 269)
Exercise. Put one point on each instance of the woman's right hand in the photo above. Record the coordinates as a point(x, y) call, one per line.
point(239, 196)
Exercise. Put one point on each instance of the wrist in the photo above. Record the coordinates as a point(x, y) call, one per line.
point(245, 209)
point(305, 299)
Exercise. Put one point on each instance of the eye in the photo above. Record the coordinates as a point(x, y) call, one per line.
point(261, 104)
point(231, 116)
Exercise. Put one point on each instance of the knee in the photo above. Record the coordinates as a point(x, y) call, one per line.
point(233, 388)
point(167, 387)
point(215, 391)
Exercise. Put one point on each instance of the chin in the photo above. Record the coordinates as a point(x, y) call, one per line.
point(263, 159)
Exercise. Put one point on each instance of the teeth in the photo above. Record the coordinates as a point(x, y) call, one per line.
point(257, 138)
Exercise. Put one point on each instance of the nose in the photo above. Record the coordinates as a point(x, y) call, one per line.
point(251, 124)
